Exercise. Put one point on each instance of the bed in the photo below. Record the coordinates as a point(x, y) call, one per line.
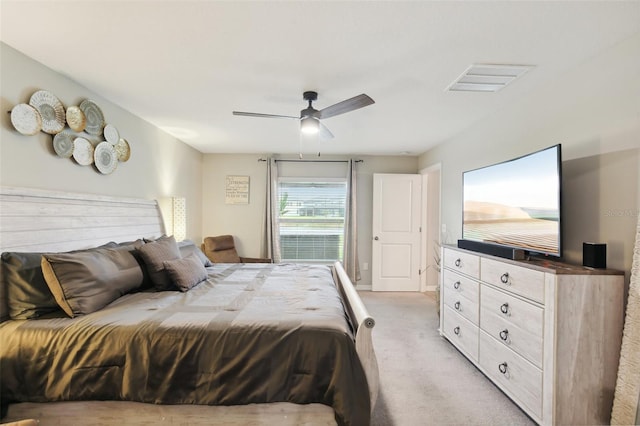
point(248, 344)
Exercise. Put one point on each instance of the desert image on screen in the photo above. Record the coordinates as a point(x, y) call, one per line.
point(515, 203)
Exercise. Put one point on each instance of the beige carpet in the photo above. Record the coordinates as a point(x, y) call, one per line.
point(423, 379)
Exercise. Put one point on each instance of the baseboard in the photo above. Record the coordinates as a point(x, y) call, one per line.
point(368, 287)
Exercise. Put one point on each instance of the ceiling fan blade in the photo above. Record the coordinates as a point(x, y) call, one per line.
point(325, 133)
point(257, 114)
point(345, 106)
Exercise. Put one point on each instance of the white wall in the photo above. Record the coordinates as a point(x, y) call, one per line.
point(160, 165)
point(594, 112)
point(245, 222)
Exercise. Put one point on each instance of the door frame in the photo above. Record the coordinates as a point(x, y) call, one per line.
point(431, 226)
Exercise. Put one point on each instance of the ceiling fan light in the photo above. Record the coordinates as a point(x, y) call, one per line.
point(310, 125)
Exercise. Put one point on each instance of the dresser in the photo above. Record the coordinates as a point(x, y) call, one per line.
point(548, 334)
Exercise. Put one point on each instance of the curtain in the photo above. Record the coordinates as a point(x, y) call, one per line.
point(350, 250)
point(271, 240)
point(626, 402)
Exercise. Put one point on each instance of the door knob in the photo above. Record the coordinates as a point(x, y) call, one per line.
point(376, 238)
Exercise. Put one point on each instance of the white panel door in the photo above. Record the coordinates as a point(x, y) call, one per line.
point(395, 262)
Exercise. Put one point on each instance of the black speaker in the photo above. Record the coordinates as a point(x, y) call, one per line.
point(492, 249)
point(594, 255)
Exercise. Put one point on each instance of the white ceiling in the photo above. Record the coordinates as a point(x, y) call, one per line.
point(185, 65)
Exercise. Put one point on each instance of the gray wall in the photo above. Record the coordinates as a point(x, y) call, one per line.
point(594, 112)
point(160, 165)
point(245, 222)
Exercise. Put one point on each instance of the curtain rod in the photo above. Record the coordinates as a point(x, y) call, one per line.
point(312, 161)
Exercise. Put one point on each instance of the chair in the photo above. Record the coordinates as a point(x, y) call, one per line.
point(222, 249)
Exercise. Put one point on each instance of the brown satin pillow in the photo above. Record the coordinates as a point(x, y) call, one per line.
point(186, 273)
point(28, 295)
point(86, 281)
point(154, 254)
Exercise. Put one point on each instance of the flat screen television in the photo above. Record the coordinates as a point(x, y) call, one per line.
point(515, 204)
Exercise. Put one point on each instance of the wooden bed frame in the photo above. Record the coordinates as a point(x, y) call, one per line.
point(35, 220)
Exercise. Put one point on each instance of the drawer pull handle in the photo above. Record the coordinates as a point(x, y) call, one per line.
point(504, 308)
point(505, 278)
point(458, 262)
point(457, 305)
point(504, 335)
point(503, 368)
point(456, 331)
point(456, 285)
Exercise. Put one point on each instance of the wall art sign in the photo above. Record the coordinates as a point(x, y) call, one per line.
point(237, 190)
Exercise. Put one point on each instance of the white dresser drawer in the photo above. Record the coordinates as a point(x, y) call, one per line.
point(534, 351)
point(510, 371)
point(465, 263)
point(461, 332)
point(513, 322)
point(463, 306)
point(525, 282)
point(459, 284)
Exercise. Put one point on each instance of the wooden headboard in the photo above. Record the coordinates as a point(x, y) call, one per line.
point(36, 220)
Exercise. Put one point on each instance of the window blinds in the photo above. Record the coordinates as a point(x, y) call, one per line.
point(311, 218)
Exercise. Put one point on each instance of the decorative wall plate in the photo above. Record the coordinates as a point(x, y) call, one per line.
point(111, 134)
point(94, 116)
point(105, 158)
point(26, 119)
point(50, 109)
point(63, 144)
point(123, 150)
point(82, 151)
point(76, 119)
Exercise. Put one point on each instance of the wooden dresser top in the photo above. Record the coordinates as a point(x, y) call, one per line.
point(545, 265)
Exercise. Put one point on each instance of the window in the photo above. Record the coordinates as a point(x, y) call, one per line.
point(311, 218)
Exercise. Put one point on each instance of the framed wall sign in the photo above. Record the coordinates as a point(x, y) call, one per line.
point(237, 190)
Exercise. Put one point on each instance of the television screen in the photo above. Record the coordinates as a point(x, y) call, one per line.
point(516, 203)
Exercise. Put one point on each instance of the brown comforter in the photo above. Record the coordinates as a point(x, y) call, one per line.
point(252, 333)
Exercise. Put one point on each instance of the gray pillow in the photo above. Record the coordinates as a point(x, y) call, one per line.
point(154, 254)
point(187, 272)
point(86, 281)
point(187, 247)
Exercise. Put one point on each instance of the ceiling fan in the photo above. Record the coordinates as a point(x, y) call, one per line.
point(310, 117)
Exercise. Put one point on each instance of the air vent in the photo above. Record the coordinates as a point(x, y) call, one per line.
point(487, 77)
